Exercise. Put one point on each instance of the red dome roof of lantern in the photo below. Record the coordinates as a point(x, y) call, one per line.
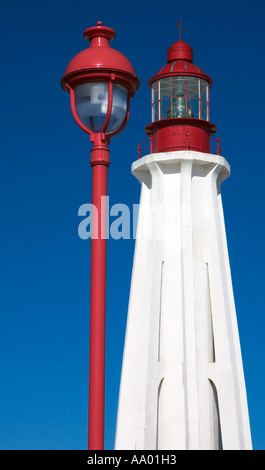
point(180, 62)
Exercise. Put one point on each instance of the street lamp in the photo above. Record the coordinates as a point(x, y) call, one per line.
point(101, 81)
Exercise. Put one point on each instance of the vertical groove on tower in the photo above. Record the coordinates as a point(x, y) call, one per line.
point(160, 311)
point(158, 414)
point(211, 347)
point(218, 444)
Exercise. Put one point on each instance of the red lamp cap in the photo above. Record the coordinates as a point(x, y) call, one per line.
point(99, 61)
point(99, 31)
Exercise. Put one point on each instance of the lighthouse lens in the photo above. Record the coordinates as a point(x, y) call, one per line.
point(180, 97)
point(180, 105)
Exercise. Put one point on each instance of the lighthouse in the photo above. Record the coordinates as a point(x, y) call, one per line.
point(182, 382)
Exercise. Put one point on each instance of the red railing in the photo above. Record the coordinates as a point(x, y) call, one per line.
point(216, 145)
point(142, 151)
point(145, 148)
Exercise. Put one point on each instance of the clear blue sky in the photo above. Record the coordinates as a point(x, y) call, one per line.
point(45, 177)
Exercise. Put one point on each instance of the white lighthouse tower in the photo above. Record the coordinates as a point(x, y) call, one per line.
point(182, 383)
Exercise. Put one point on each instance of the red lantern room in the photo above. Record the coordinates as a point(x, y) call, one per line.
point(180, 104)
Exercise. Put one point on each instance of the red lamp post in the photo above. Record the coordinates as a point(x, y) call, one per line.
point(100, 81)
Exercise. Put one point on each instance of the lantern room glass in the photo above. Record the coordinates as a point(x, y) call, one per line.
point(180, 97)
point(91, 101)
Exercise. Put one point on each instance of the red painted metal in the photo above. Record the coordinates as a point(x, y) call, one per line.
point(99, 163)
point(180, 133)
point(99, 62)
point(180, 50)
point(218, 146)
point(146, 147)
point(180, 28)
point(180, 63)
point(187, 134)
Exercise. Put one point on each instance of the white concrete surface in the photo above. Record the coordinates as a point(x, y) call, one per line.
point(182, 383)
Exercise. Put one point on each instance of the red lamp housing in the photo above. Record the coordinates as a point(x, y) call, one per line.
point(180, 104)
point(100, 64)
